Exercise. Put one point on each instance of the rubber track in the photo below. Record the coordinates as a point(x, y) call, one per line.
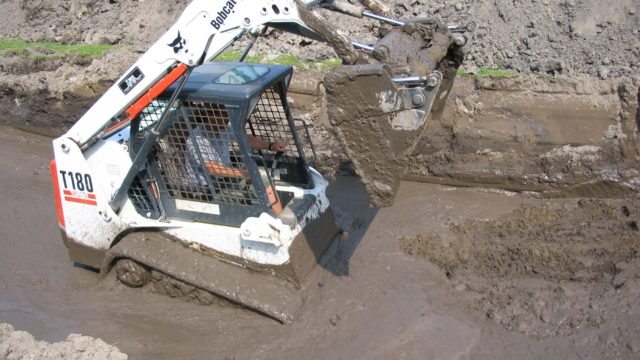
point(266, 294)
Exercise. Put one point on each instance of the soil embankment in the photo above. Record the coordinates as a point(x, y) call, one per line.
point(558, 136)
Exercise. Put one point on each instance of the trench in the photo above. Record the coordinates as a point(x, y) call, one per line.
point(454, 261)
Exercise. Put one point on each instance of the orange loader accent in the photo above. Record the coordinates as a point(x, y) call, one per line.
point(274, 200)
point(134, 109)
point(56, 191)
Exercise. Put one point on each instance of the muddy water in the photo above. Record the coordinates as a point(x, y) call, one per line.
point(367, 300)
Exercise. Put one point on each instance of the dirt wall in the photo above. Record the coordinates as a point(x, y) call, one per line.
point(563, 136)
point(534, 134)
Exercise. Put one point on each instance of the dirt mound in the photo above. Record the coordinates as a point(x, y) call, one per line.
point(134, 23)
point(17, 345)
point(550, 36)
point(548, 270)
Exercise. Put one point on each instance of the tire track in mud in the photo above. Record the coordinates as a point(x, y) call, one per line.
point(548, 270)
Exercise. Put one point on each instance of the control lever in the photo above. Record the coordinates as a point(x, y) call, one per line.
point(275, 173)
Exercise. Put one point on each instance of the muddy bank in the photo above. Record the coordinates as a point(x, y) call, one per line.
point(18, 345)
point(558, 136)
point(534, 134)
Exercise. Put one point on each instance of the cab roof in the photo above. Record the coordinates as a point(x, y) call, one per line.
point(230, 80)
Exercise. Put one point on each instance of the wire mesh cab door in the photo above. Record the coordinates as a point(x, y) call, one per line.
point(200, 170)
point(271, 121)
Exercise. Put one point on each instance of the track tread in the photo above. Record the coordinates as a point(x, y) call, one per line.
point(266, 294)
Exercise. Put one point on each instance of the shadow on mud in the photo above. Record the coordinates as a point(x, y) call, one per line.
point(85, 267)
point(354, 214)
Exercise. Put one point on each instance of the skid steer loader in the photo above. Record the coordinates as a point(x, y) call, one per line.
point(160, 179)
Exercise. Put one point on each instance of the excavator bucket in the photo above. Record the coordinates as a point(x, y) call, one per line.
point(379, 110)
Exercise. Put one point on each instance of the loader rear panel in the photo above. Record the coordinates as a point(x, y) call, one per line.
point(83, 254)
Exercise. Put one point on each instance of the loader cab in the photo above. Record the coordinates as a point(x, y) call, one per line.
point(220, 105)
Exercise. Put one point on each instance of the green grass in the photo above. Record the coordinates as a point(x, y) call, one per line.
point(331, 63)
point(286, 59)
point(38, 58)
point(17, 52)
point(490, 73)
point(22, 47)
point(235, 56)
point(35, 50)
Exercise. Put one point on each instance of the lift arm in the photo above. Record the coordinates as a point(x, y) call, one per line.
point(204, 30)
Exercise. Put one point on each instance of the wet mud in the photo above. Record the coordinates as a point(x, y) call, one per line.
point(364, 127)
point(374, 120)
point(194, 275)
point(127, 272)
point(353, 290)
point(368, 298)
point(548, 268)
point(480, 273)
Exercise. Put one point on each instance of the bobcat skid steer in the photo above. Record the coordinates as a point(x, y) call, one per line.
point(160, 180)
point(224, 234)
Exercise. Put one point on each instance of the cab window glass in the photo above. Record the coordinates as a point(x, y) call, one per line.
point(242, 74)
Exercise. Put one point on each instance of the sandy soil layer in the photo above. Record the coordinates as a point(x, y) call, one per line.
point(17, 345)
